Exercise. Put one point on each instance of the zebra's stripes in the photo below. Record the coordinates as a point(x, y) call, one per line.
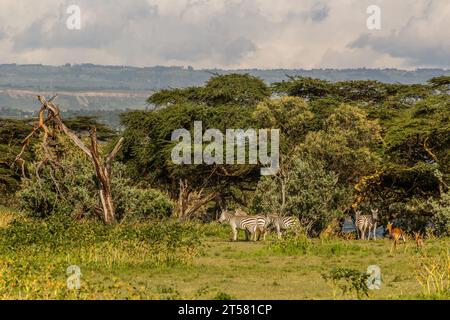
point(367, 223)
point(262, 226)
point(283, 223)
point(257, 226)
point(246, 223)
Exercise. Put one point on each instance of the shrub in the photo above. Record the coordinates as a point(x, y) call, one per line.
point(163, 243)
point(441, 214)
point(144, 203)
point(433, 275)
point(294, 242)
point(349, 281)
point(68, 189)
point(71, 190)
point(223, 296)
point(312, 194)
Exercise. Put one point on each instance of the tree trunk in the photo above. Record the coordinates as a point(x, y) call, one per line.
point(102, 166)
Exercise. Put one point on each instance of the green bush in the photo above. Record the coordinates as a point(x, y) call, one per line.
point(312, 194)
point(223, 296)
point(70, 189)
point(134, 203)
point(441, 215)
point(294, 242)
point(164, 243)
point(67, 189)
point(349, 281)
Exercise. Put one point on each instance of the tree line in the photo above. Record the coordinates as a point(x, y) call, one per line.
point(344, 146)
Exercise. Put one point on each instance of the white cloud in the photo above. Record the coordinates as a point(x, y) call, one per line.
point(228, 33)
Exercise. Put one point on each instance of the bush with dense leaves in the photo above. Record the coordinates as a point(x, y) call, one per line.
point(70, 189)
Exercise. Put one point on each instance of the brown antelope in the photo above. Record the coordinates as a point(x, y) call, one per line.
point(395, 234)
point(419, 240)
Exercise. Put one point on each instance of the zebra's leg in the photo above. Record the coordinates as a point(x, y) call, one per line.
point(235, 234)
point(279, 232)
point(375, 232)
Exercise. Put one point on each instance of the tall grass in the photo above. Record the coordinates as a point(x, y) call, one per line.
point(433, 275)
point(34, 255)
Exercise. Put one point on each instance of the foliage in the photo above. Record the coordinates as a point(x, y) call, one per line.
point(71, 190)
point(440, 210)
point(82, 124)
point(148, 146)
point(12, 132)
point(433, 275)
point(167, 243)
point(294, 242)
point(234, 89)
point(291, 115)
point(349, 281)
point(347, 145)
point(367, 91)
point(223, 296)
point(312, 194)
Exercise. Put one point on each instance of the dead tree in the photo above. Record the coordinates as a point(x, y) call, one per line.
point(191, 202)
point(51, 124)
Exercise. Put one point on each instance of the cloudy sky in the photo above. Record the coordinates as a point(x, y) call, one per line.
point(228, 33)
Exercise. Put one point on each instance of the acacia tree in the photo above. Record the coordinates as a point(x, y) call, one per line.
point(51, 125)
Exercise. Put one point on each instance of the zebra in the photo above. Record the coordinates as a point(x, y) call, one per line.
point(262, 226)
point(283, 223)
point(367, 223)
point(248, 224)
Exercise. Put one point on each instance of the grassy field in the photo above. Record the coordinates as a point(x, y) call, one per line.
point(219, 269)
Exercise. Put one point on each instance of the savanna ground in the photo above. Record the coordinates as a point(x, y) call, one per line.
point(143, 264)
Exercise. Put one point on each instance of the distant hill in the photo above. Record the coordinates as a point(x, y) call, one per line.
point(93, 87)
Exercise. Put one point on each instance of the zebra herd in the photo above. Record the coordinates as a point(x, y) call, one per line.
point(258, 225)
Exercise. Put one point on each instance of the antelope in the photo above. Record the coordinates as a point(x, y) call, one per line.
point(419, 240)
point(396, 234)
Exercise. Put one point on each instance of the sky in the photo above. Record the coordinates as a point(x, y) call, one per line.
point(229, 34)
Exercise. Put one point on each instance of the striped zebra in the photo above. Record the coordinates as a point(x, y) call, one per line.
point(367, 223)
point(246, 223)
point(283, 223)
point(262, 226)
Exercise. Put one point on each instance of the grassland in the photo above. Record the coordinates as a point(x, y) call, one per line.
point(218, 269)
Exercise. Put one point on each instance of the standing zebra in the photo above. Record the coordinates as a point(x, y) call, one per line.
point(248, 224)
point(262, 226)
point(283, 223)
point(367, 223)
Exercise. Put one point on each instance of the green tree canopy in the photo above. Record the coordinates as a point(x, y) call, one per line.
point(234, 89)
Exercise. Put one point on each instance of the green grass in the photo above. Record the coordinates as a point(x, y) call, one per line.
point(223, 270)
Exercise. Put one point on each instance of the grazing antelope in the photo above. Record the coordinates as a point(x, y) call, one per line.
point(367, 223)
point(419, 240)
point(283, 223)
point(248, 224)
point(395, 234)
